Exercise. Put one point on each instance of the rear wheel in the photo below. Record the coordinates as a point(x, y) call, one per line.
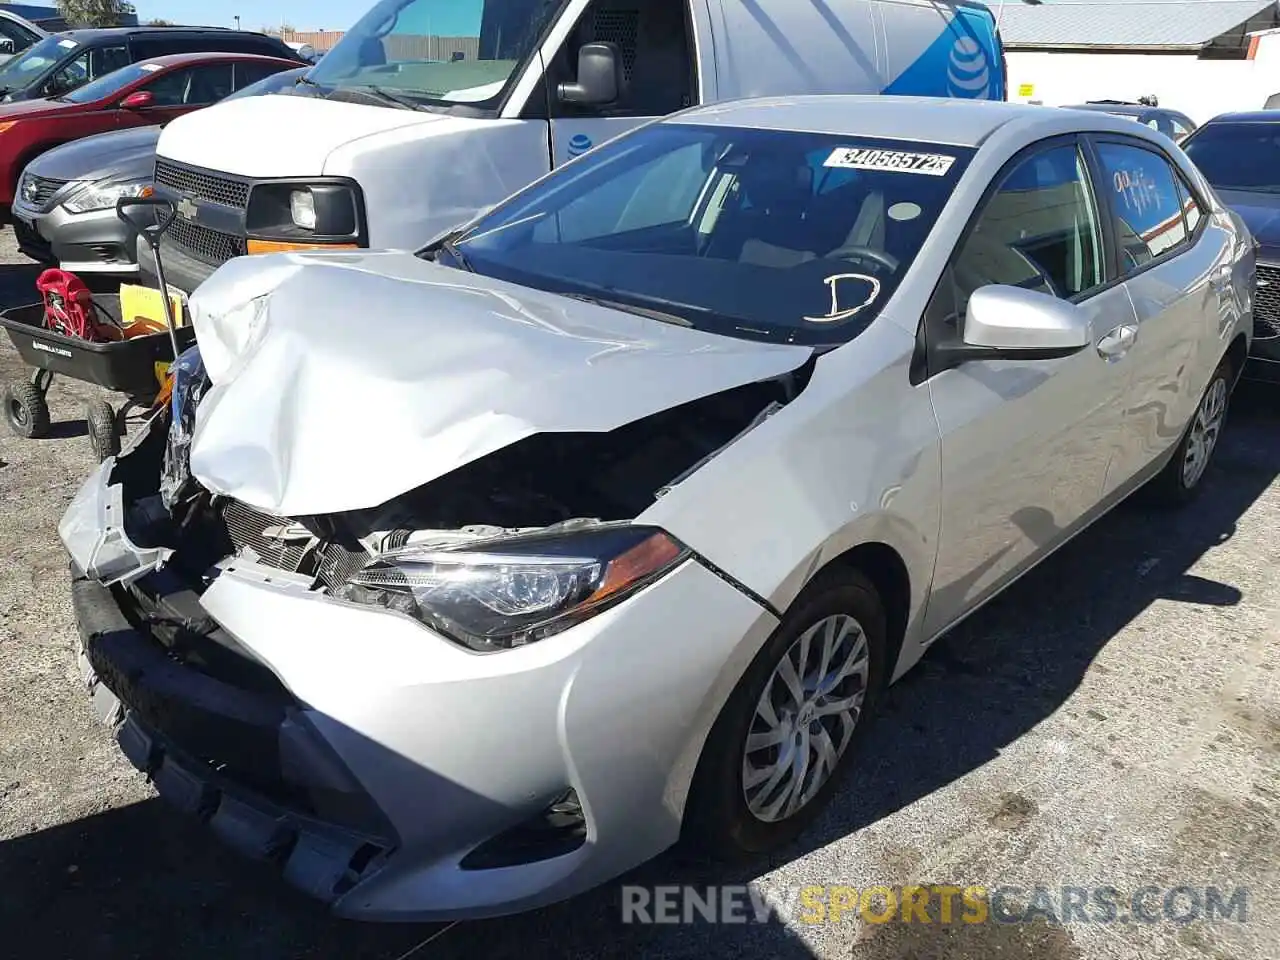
point(793, 724)
point(1183, 477)
point(26, 410)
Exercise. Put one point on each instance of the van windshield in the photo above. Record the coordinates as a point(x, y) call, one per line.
point(761, 234)
point(19, 72)
point(436, 51)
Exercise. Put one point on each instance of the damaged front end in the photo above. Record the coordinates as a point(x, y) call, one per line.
point(503, 551)
point(506, 550)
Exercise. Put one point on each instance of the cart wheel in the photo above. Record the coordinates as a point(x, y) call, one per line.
point(26, 410)
point(104, 429)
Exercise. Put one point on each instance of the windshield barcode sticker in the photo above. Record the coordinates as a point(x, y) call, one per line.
point(897, 161)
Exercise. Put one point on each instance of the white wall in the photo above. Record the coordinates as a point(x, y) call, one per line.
point(1199, 88)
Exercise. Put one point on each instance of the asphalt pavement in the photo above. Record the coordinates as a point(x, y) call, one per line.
point(1113, 721)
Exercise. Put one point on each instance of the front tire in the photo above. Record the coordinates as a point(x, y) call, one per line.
point(1182, 479)
point(794, 723)
point(104, 429)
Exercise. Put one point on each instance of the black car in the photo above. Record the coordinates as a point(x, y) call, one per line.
point(1171, 123)
point(1239, 154)
point(64, 61)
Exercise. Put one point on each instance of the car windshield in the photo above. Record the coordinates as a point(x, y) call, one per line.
point(761, 234)
point(110, 84)
point(1238, 156)
point(19, 72)
point(436, 51)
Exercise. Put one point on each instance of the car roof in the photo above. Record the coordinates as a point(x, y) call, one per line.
point(91, 35)
point(179, 59)
point(955, 122)
point(1122, 109)
point(1248, 116)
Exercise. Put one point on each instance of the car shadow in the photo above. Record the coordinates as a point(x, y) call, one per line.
point(144, 881)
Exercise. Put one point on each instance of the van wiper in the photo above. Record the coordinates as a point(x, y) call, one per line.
point(390, 97)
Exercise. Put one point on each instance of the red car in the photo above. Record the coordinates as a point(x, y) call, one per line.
point(141, 94)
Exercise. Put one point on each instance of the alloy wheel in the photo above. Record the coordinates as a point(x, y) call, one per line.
point(1205, 431)
point(805, 718)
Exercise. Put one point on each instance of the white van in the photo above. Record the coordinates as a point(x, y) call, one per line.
point(429, 111)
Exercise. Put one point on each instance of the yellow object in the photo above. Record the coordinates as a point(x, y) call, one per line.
point(142, 310)
point(1027, 90)
point(162, 377)
point(279, 246)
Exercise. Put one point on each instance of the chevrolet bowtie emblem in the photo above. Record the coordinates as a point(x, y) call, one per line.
point(187, 209)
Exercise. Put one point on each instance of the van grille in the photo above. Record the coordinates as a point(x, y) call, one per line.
point(211, 246)
point(1266, 303)
point(202, 186)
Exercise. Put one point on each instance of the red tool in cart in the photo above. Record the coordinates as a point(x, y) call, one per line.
point(74, 333)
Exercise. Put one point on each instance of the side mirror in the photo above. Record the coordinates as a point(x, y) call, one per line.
point(599, 76)
point(137, 100)
point(1010, 323)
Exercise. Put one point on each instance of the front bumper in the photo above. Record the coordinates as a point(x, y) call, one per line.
point(441, 750)
point(96, 242)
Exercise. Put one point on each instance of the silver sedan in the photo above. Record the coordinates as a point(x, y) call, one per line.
point(606, 521)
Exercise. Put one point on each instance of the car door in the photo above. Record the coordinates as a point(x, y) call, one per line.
point(1025, 444)
point(655, 49)
point(1175, 263)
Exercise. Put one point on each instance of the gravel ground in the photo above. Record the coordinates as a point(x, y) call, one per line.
point(1113, 720)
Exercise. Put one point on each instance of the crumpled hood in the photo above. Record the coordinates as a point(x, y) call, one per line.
point(340, 381)
point(278, 136)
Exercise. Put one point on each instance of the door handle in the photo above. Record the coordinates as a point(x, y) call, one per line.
point(1118, 342)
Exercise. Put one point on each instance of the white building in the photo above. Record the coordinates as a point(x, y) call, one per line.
point(1202, 57)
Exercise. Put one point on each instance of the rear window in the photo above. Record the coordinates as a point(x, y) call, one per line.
point(1238, 156)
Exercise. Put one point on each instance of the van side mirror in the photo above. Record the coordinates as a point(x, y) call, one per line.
point(1010, 323)
point(599, 76)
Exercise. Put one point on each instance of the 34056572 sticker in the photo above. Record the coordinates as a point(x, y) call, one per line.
point(895, 161)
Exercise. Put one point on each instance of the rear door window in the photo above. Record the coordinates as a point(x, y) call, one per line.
point(1144, 194)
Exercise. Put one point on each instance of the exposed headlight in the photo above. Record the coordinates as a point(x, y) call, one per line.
point(288, 214)
point(302, 206)
point(499, 594)
point(93, 198)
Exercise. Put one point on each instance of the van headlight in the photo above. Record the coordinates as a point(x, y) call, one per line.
point(498, 594)
point(325, 212)
point(302, 207)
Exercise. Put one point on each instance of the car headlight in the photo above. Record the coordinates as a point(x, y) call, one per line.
point(93, 198)
point(499, 594)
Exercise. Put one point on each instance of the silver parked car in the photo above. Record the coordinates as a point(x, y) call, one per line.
point(477, 582)
point(66, 197)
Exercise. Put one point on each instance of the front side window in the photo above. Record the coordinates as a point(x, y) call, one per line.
point(1040, 230)
point(90, 65)
point(111, 84)
point(1144, 195)
point(194, 86)
point(762, 234)
point(437, 51)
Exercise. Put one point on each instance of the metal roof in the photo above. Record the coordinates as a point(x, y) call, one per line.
point(1176, 24)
